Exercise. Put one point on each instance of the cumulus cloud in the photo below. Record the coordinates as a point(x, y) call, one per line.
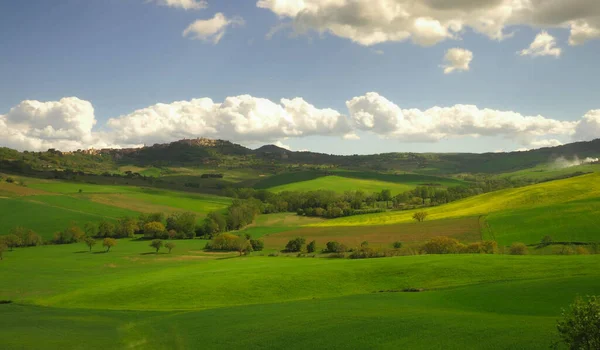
point(589, 126)
point(213, 29)
point(428, 22)
point(240, 118)
point(184, 4)
point(69, 124)
point(36, 125)
point(373, 112)
point(544, 44)
point(457, 60)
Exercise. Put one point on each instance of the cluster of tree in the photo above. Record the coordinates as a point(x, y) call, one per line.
point(211, 176)
point(238, 215)
point(579, 327)
point(158, 243)
point(448, 245)
point(152, 226)
point(242, 244)
point(21, 237)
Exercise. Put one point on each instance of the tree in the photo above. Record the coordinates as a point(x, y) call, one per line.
point(126, 227)
point(295, 245)
point(386, 195)
point(335, 247)
point(397, 245)
point(12, 241)
point(90, 229)
point(109, 243)
point(90, 242)
point(518, 248)
point(242, 245)
point(169, 246)
point(311, 247)
point(28, 237)
point(257, 245)
point(219, 220)
point(579, 327)
point(156, 244)
point(546, 240)
point(106, 229)
point(442, 245)
point(154, 229)
point(420, 216)
point(183, 223)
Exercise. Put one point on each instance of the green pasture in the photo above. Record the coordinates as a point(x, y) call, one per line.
point(565, 209)
point(48, 214)
point(133, 298)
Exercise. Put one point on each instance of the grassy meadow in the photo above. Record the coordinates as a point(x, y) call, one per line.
point(563, 209)
point(67, 297)
point(341, 181)
point(133, 298)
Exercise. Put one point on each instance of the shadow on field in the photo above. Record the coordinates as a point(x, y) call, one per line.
point(153, 253)
point(102, 252)
point(82, 251)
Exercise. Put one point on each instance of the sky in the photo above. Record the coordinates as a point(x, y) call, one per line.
point(331, 76)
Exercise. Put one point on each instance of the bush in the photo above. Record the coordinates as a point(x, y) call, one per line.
point(442, 245)
point(582, 251)
point(295, 245)
point(337, 256)
point(485, 247)
point(579, 327)
point(223, 241)
point(518, 248)
point(155, 229)
point(367, 253)
point(397, 245)
point(546, 241)
point(335, 247)
point(257, 245)
point(311, 247)
point(565, 250)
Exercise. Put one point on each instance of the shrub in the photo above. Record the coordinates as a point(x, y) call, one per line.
point(420, 216)
point(311, 247)
point(565, 250)
point(28, 237)
point(397, 245)
point(223, 241)
point(106, 229)
point(579, 327)
point(157, 244)
point(546, 240)
point(155, 229)
point(582, 251)
point(183, 223)
point(442, 245)
point(518, 248)
point(11, 241)
point(367, 253)
point(485, 247)
point(257, 245)
point(109, 243)
point(337, 255)
point(273, 254)
point(169, 246)
point(71, 234)
point(10, 180)
point(335, 247)
point(295, 245)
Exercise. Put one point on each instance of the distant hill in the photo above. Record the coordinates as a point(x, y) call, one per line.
point(208, 153)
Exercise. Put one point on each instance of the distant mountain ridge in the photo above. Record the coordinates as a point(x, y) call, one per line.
point(211, 153)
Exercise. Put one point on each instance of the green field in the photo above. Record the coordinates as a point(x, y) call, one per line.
point(131, 297)
point(563, 209)
point(341, 181)
point(61, 203)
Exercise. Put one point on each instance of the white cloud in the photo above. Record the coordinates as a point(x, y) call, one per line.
point(457, 60)
point(282, 145)
point(589, 126)
point(68, 124)
point(373, 112)
point(428, 22)
point(241, 118)
point(212, 29)
point(184, 4)
point(544, 44)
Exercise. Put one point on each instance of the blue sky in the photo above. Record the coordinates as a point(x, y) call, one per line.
point(126, 55)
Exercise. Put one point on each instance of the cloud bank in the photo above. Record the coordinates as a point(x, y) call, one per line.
point(428, 22)
point(70, 123)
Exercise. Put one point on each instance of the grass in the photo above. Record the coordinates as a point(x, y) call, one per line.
point(341, 181)
point(563, 208)
point(411, 233)
point(48, 214)
point(129, 298)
